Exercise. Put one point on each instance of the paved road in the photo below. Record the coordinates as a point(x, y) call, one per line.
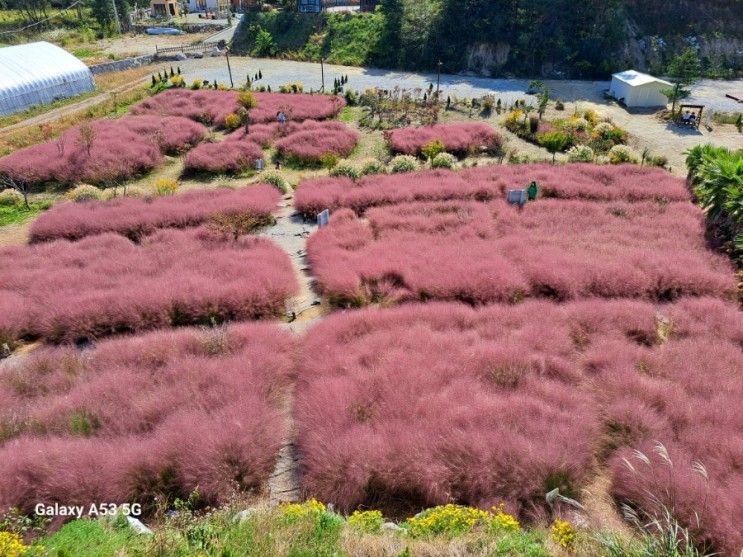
point(226, 34)
point(278, 72)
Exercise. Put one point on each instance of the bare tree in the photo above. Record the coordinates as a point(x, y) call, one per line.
point(87, 136)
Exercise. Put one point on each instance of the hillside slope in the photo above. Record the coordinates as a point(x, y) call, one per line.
point(556, 38)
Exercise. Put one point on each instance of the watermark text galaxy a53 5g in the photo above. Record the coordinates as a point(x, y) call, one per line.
point(93, 510)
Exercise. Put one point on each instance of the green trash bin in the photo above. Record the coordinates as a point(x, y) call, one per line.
point(532, 190)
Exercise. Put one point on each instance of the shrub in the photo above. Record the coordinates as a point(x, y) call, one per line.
point(232, 121)
point(11, 198)
point(563, 534)
point(431, 149)
point(345, 170)
point(447, 520)
point(369, 522)
point(246, 99)
point(201, 415)
point(85, 192)
point(403, 163)
point(591, 117)
point(554, 142)
point(372, 166)
point(276, 180)
point(165, 186)
point(231, 157)
point(444, 160)
point(102, 285)
point(620, 154)
point(603, 130)
point(135, 218)
point(312, 140)
point(559, 105)
point(580, 153)
point(455, 138)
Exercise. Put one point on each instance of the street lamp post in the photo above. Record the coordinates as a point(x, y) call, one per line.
point(438, 79)
point(322, 74)
point(229, 68)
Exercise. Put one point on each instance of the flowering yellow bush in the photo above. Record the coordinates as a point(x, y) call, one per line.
point(563, 534)
point(196, 84)
point(232, 121)
point(177, 81)
point(165, 186)
point(450, 520)
point(294, 511)
point(11, 545)
point(514, 120)
point(503, 521)
point(367, 521)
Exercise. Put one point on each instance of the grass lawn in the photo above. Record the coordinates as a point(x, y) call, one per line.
point(17, 215)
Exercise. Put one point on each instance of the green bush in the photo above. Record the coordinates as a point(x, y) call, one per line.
point(553, 142)
point(433, 148)
point(581, 153)
point(372, 166)
point(622, 154)
point(403, 163)
point(85, 192)
point(277, 181)
point(345, 170)
point(11, 198)
point(444, 160)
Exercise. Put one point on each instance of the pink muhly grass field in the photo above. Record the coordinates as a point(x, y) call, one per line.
point(312, 140)
point(173, 134)
point(456, 138)
point(422, 405)
point(65, 291)
point(573, 181)
point(158, 415)
point(211, 107)
point(136, 217)
point(481, 253)
point(116, 153)
point(227, 156)
point(295, 106)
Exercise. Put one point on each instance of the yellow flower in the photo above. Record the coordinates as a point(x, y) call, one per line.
point(11, 545)
point(563, 534)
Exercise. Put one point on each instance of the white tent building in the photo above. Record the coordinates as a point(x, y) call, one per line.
point(638, 90)
point(39, 73)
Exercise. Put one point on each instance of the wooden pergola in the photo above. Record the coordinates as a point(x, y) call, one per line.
point(689, 115)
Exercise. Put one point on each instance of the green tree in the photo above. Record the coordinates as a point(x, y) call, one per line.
point(386, 52)
point(684, 69)
point(264, 44)
point(554, 142)
point(103, 12)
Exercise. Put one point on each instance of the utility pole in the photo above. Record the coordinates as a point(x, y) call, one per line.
point(438, 80)
point(322, 74)
point(116, 17)
point(229, 69)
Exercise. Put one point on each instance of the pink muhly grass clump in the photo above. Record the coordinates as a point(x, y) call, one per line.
point(173, 134)
point(482, 253)
point(296, 107)
point(158, 415)
point(456, 138)
point(105, 284)
point(227, 156)
point(430, 404)
point(134, 217)
point(582, 181)
point(116, 153)
point(209, 107)
point(312, 140)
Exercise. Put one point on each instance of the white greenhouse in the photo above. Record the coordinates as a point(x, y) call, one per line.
point(39, 73)
point(638, 90)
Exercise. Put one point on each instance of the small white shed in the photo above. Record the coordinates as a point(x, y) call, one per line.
point(638, 90)
point(39, 73)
